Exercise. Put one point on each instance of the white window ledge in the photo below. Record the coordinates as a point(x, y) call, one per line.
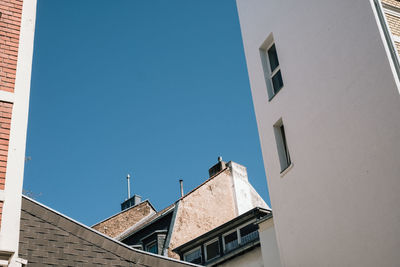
point(283, 173)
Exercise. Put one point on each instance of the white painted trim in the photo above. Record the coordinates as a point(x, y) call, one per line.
point(10, 223)
point(391, 10)
point(7, 96)
point(384, 37)
point(22, 261)
point(283, 173)
point(396, 38)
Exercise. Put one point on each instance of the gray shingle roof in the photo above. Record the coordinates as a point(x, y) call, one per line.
point(48, 238)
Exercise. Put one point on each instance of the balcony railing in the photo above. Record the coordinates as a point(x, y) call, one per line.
point(243, 241)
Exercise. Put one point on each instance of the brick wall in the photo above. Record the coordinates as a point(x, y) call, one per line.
point(10, 21)
point(5, 122)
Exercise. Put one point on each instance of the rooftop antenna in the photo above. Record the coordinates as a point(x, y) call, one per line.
point(129, 186)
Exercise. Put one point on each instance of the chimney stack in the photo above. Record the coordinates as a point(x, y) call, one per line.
point(217, 167)
point(181, 183)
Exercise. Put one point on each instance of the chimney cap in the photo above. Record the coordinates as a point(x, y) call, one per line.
point(219, 159)
point(128, 176)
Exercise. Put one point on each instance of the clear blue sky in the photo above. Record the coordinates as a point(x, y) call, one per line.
point(155, 88)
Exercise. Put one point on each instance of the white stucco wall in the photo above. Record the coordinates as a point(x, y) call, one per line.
point(251, 258)
point(338, 204)
point(269, 247)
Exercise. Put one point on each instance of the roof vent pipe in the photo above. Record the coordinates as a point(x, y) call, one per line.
point(129, 186)
point(181, 184)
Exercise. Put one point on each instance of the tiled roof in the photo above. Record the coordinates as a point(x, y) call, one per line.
point(48, 238)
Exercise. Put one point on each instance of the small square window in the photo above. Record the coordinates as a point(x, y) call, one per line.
point(272, 70)
point(281, 143)
point(212, 249)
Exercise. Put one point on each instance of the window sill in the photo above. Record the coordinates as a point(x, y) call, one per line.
point(272, 97)
point(288, 168)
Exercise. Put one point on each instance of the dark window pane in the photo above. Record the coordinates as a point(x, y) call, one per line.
point(273, 58)
point(287, 156)
point(248, 233)
point(152, 248)
point(194, 256)
point(212, 250)
point(231, 241)
point(277, 82)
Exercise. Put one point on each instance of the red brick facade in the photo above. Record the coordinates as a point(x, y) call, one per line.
point(10, 22)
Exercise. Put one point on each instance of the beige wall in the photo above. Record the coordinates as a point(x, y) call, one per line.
point(269, 247)
point(209, 206)
point(251, 258)
point(338, 204)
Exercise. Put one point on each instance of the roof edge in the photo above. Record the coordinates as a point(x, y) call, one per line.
point(122, 211)
point(107, 237)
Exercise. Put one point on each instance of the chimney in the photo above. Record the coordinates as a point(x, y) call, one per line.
point(181, 183)
point(134, 200)
point(217, 167)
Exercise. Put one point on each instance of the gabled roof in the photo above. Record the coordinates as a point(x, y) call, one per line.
point(48, 237)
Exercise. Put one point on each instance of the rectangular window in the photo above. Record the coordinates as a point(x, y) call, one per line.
point(212, 249)
point(152, 247)
point(248, 233)
point(231, 241)
point(193, 256)
point(272, 70)
point(281, 143)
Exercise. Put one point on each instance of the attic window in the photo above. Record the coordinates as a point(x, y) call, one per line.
point(248, 233)
point(193, 256)
point(231, 241)
point(212, 249)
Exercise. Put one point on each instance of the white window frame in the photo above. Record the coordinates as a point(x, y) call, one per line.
point(205, 249)
point(237, 230)
point(228, 233)
point(282, 146)
point(275, 71)
point(191, 251)
point(268, 73)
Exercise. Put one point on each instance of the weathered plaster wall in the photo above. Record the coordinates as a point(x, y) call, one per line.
point(246, 196)
point(122, 221)
point(209, 206)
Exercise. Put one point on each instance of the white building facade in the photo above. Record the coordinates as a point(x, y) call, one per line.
point(326, 95)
